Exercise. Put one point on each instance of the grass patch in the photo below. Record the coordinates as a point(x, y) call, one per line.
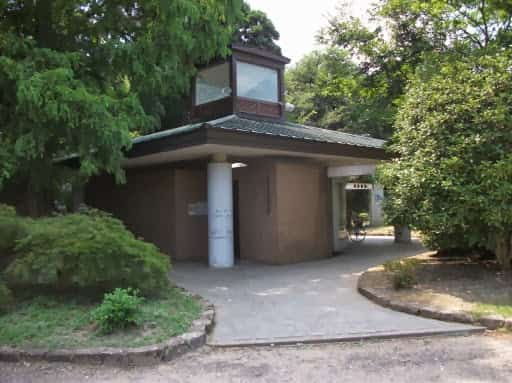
point(51, 323)
point(504, 310)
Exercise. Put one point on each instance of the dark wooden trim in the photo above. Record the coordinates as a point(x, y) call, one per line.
point(212, 110)
point(256, 60)
point(259, 52)
point(261, 108)
point(198, 163)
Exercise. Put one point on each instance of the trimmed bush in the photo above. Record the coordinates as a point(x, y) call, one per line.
point(90, 252)
point(119, 310)
point(11, 230)
point(7, 210)
point(403, 272)
point(5, 298)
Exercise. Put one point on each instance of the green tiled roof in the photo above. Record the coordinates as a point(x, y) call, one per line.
point(296, 131)
point(272, 128)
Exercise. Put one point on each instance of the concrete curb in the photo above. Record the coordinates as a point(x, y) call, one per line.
point(351, 338)
point(146, 355)
point(491, 322)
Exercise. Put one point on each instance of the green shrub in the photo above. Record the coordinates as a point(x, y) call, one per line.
point(12, 229)
point(5, 297)
point(119, 310)
point(91, 252)
point(450, 176)
point(7, 210)
point(403, 272)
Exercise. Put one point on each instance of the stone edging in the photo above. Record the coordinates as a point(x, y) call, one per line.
point(491, 322)
point(165, 351)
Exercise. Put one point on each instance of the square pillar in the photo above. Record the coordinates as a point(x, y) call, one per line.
point(377, 199)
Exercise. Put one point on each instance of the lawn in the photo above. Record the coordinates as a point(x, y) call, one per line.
point(51, 323)
point(505, 309)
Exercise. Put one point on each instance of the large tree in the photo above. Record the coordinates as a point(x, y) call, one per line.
point(404, 35)
point(257, 30)
point(452, 176)
point(328, 90)
point(83, 76)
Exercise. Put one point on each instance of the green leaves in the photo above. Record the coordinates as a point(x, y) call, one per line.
point(328, 90)
point(453, 177)
point(257, 30)
point(78, 77)
point(88, 253)
point(120, 309)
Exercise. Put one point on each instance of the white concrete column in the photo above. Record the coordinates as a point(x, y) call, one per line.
point(376, 208)
point(220, 213)
point(339, 203)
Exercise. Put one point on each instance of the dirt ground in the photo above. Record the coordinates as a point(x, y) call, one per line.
point(478, 358)
point(448, 283)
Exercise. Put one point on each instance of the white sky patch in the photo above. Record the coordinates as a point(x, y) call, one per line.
point(298, 21)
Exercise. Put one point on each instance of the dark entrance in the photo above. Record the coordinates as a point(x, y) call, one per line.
point(236, 230)
point(358, 205)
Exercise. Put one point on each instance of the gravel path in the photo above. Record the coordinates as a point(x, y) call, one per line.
point(478, 358)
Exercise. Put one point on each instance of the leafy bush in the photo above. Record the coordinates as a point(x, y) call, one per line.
point(452, 169)
point(7, 210)
point(91, 252)
point(403, 272)
point(12, 229)
point(119, 310)
point(5, 297)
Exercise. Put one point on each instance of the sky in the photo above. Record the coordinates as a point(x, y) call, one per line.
point(298, 21)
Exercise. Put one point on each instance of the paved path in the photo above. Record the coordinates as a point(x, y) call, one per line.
point(441, 360)
point(310, 301)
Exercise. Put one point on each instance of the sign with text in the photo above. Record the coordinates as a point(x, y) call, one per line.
point(358, 186)
point(198, 208)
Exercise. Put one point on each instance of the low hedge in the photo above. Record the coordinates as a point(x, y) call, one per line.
point(91, 252)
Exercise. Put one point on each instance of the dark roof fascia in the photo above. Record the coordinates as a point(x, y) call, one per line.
point(210, 134)
point(194, 137)
point(259, 52)
point(222, 136)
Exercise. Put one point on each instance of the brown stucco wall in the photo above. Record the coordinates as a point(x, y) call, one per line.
point(284, 211)
point(143, 203)
point(257, 208)
point(154, 203)
point(303, 215)
point(191, 230)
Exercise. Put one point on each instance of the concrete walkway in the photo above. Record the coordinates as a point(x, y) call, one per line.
point(313, 301)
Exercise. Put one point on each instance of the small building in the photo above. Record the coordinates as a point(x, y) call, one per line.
point(239, 180)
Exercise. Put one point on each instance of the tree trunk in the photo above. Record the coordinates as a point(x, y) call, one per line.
point(504, 251)
point(402, 234)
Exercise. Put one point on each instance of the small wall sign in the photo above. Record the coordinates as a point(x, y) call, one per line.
point(358, 186)
point(198, 208)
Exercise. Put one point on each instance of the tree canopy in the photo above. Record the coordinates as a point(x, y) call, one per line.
point(404, 35)
point(82, 76)
point(257, 30)
point(452, 176)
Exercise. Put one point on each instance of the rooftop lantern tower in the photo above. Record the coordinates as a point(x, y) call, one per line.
point(250, 82)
